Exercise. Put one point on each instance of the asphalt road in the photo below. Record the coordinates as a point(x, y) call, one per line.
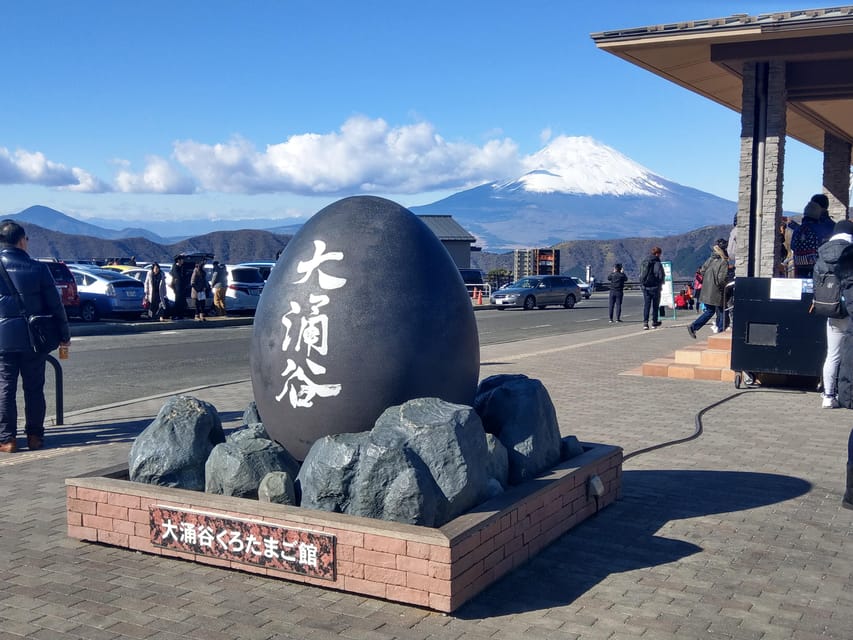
point(103, 369)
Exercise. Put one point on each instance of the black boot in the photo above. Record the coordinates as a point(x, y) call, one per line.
point(847, 503)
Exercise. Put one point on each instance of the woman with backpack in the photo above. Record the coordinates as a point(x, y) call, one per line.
point(837, 320)
point(714, 274)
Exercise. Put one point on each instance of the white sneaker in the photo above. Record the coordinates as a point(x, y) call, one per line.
point(714, 328)
point(829, 402)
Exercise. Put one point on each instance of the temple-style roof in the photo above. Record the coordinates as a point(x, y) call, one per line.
point(707, 56)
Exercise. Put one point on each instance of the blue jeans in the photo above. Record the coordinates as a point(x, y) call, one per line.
point(30, 366)
point(710, 310)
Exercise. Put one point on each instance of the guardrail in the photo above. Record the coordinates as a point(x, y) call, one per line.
point(57, 371)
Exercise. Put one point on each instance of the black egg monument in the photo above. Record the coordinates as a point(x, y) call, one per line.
point(365, 309)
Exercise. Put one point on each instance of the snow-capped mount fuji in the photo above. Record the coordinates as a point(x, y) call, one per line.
point(575, 189)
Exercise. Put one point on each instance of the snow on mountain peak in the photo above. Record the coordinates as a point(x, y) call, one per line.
point(582, 165)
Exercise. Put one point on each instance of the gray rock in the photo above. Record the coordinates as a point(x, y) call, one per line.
point(494, 488)
point(570, 447)
point(497, 460)
point(449, 439)
point(519, 411)
point(327, 472)
point(251, 415)
point(277, 487)
point(392, 483)
point(251, 431)
point(173, 449)
point(237, 466)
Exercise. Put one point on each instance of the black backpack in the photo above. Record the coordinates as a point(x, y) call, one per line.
point(648, 277)
point(828, 299)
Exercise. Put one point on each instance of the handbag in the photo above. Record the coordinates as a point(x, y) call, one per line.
point(43, 329)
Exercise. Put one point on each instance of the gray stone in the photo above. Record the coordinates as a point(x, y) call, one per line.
point(237, 466)
point(252, 430)
point(173, 449)
point(327, 472)
point(392, 483)
point(251, 415)
point(494, 488)
point(570, 447)
point(497, 460)
point(519, 411)
point(277, 487)
point(450, 440)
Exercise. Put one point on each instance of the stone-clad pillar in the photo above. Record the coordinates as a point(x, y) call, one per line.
point(836, 175)
point(762, 159)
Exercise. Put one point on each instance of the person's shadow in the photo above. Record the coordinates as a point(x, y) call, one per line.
point(622, 536)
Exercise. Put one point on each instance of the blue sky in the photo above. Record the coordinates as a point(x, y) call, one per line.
point(164, 110)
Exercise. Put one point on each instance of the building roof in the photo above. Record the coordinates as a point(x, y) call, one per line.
point(707, 56)
point(446, 228)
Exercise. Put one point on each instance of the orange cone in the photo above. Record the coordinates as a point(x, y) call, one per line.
point(479, 297)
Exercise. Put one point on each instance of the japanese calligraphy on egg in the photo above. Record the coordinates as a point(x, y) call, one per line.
point(306, 333)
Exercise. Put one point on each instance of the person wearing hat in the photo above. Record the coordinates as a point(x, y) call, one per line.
point(219, 284)
point(715, 273)
point(814, 230)
point(827, 261)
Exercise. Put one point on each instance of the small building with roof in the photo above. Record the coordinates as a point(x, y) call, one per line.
point(453, 236)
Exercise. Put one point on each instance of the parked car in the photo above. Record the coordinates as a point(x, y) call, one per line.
point(106, 293)
point(65, 285)
point(190, 260)
point(245, 285)
point(263, 267)
point(538, 292)
point(584, 287)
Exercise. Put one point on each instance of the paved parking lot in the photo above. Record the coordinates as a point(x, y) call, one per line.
point(737, 533)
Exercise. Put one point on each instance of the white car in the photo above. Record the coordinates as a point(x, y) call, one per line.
point(263, 267)
point(245, 285)
point(583, 286)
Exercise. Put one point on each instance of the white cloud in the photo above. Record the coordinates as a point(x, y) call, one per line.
point(157, 177)
point(28, 167)
point(364, 155)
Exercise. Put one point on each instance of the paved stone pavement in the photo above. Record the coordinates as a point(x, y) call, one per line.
point(735, 534)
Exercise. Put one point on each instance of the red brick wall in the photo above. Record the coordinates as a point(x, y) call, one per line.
point(435, 568)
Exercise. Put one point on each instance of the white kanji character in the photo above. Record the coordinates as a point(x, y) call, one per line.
point(235, 543)
point(253, 546)
point(270, 548)
point(308, 266)
point(205, 536)
point(169, 530)
point(300, 389)
point(308, 554)
point(188, 532)
point(288, 323)
point(288, 546)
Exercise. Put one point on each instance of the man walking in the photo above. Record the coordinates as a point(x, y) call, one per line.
point(37, 290)
point(652, 277)
point(617, 281)
point(219, 284)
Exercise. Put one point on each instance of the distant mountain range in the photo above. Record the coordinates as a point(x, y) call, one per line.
point(580, 189)
point(578, 194)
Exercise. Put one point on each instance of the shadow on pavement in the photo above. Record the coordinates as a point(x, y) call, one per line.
point(93, 433)
point(622, 537)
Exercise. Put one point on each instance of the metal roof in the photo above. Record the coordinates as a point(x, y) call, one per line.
point(446, 228)
point(707, 57)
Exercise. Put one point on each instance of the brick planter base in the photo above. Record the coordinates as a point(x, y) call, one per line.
point(438, 568)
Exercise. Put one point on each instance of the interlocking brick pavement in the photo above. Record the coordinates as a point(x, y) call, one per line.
point(735, 534)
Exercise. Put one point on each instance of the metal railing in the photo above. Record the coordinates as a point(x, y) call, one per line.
point(57, 370)
point(479, 293)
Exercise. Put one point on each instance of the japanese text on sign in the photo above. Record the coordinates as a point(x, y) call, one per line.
point(306, 332)
point(299, 551)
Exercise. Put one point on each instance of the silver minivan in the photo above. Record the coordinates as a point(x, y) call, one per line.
point(538, 292)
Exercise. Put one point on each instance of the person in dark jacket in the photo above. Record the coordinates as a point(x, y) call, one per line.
point(715, 272)
point(177, 284)
point(652, 277)
point(33, 281)
point(617, 281)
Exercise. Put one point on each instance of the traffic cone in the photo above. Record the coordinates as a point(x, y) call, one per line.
point(474, 295)
point(479, 297)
